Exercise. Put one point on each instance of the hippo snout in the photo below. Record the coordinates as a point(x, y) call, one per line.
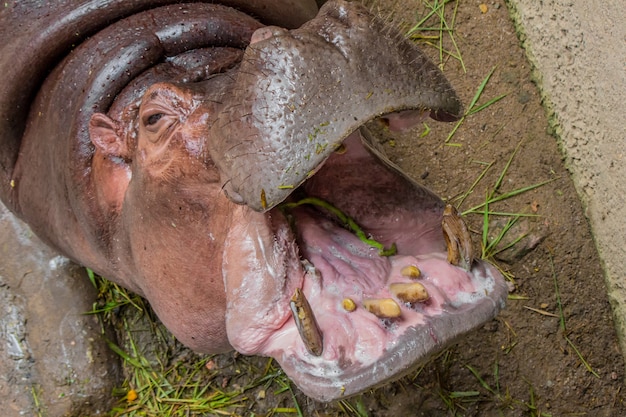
point(301, 92)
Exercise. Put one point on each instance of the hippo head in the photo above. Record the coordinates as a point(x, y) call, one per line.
point(255, 212)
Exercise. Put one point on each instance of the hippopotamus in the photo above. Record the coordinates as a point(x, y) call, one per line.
point(213, 159)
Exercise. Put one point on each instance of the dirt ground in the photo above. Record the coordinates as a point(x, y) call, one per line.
point(526, 362)
point(537, 370)
point(536, 366)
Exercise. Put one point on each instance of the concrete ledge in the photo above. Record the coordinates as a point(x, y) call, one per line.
point(54, 361)
point(578, 50)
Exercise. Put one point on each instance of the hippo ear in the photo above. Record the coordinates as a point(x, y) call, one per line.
point(105, 135)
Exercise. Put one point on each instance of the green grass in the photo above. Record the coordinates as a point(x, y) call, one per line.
point(35, 391)
point(562, 322)
point(436, 28)
point(492, 242)
point(474, 107)
point(156, 384)
point(354, 407)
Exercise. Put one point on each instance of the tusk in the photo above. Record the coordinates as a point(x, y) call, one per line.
point(413, 292)
point(306, 324)
point(458, 239)
point(411, 271)
point(384, 308)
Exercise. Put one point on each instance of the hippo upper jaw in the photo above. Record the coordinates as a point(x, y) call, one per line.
point(299, 93)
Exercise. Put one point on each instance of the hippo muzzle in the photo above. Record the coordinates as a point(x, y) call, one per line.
point(303, 91)
point(235, 186)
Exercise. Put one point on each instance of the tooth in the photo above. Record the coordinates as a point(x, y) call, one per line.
point(348, 304)
point(411, 271)
point(384, 308)
point(306, 323)
point(263, 199)
point(412, 292)
point(458, 240)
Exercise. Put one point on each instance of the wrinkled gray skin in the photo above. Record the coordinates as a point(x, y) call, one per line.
point(157, 150)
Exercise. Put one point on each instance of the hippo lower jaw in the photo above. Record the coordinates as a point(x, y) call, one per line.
point(331, 348)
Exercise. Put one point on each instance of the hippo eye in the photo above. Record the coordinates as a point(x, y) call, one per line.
point(152, 119)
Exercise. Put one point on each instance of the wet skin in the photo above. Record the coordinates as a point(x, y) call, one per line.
point(182, 181)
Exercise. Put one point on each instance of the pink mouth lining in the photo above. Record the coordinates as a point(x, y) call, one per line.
point(344, 267)
point(329, 264)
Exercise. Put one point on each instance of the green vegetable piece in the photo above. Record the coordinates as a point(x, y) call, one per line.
point(347, 221)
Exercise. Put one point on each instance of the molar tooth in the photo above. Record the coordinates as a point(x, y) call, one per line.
point(458, 240)
point(348, 304)
point(413, 292)
point(306, 324)
point(384, 308)
point(411, 271)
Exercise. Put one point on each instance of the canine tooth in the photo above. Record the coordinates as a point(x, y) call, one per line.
point(458, 240)
point(384, 308)
point(412, 292)
point(348, 304)
point(411, 271)
point(306, 324)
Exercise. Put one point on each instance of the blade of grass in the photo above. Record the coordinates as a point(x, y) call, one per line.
point(487, 104)
point(480, 90)
point(474, 184)
point(351, 409)
point(562, 321)
point(481, 381)
point(496, 375)
point(507, 196)
point(92, 278)
point(498, 183)
point(122, 354)
point(503, 213)
point(472, 109)
point(490, 249)
point(485, 229)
